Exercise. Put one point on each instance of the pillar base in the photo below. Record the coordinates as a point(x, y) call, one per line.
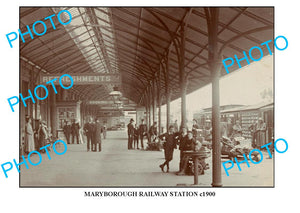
point(216, 184)
point(191, 185)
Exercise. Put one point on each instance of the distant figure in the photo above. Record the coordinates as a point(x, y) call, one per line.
point(67, 131)
point(130, 132)
point(261, 133)
point(252, 129)
point(81, 141)
point(136, 137)
point(153, 132)
point(43, 135)
point(169, 146)
point(176, 126)
point(104, 131)
point(208, 130)
point(143, 132)
point(181, 137)
point(89, 131)
point(237, 129)
point(195, 127)
point(29, 139)
point(229, 127)
point(97, 136)
point(75, 131)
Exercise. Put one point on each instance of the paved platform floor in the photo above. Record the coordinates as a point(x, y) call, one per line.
point(117, 166)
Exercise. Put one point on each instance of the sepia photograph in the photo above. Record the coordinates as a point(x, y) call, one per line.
point(146, 96)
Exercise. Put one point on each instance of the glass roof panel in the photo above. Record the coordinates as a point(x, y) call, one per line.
point(82, 32)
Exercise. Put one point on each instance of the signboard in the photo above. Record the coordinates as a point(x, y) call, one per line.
point(84, 79)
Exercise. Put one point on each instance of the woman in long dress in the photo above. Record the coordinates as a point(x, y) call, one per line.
point(43, 134)
point(29, 139)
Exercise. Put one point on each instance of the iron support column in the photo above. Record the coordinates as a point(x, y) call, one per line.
point(159, 103)
point(154, 98)
point(182, 74)
point(215, 67)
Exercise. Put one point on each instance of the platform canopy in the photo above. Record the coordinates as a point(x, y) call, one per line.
point(135, 42)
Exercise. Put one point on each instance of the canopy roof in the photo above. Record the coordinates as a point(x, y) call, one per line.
point(133, 42)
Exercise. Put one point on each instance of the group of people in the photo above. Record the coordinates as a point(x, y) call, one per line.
point(93, 131)
point(41, 136)
point(187, 142)
point(139, 133)
point(173, 137)
point(35, 139)
point(257, 129)
point(258, 132)
point(72, 130)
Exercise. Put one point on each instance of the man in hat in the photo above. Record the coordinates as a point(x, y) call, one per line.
point(169, 146)
point(75, 131)
point(67, 131)
point(97, 136)
point(188, 144)
point(195, 127)
point(153, 132)
point(143, 132)
point(130, 132)
point(89, 129)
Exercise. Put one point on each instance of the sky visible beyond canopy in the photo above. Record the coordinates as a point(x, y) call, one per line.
point(240, 87)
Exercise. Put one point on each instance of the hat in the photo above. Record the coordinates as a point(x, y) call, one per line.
point(131, 120)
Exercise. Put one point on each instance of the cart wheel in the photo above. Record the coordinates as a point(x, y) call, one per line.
point(200, 169)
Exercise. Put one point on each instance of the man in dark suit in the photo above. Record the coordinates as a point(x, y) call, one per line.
point(130, 131)
point(153, 132)
point(75, 131)
point(89, 132)
point(97, 136)
point(169, 146)
point(67, 131)
point(143, 132)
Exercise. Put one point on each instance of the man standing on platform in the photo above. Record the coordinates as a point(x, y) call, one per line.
point(89, 130)
point(104, 131)
point(195, 127)
point(143, 132)
point(97, 136)
point(67, 131)
point(252, 129)
point(130, 131)
point(136, 137)
point(153, 132)
point(169, 146)
point(75, 131)
point(176, 126)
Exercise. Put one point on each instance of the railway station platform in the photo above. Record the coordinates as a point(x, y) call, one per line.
point(117, 166)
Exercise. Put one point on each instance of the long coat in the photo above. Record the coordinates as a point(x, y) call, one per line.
point(29, 139)
point(97, 133)
point(130, 129)
point(169, 145)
